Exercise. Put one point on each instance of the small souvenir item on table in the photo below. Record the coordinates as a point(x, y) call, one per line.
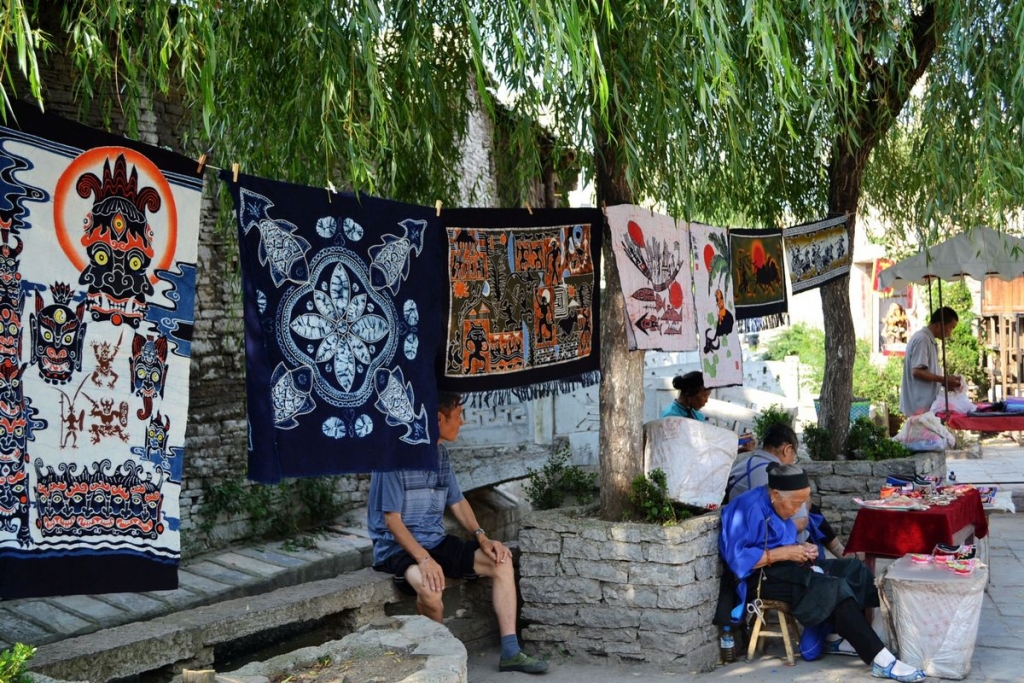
point(921, 558)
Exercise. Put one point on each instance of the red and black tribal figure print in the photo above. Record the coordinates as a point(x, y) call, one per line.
point(98, 247)
point(524, 297)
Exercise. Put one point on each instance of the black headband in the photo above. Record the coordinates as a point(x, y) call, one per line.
point(787, 482)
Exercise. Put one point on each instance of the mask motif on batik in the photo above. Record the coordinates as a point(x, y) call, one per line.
point(10, 329)
point(10, 268)
point(12, 394)
point(149, 367)
point(156, 438)
point(13, 438)
point(58, 334)
point(119, 243)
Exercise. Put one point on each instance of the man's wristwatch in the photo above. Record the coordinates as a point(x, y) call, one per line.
point(479, 531)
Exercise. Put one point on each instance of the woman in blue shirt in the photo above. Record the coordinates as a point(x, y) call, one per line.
point(692, 397)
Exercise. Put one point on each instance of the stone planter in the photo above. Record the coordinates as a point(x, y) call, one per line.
point(630, 591)
point(834, 484)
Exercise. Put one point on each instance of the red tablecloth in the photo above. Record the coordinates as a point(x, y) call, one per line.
point(1000, 422)
point(894, 533)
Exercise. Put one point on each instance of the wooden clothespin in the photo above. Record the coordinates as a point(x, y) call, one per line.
point(234, 172)
point(437, 205)
point(526, 205)
point(202, 160)
point(330, 190)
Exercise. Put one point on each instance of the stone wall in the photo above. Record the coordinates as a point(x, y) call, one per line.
point(629, 591)
point(835, 484)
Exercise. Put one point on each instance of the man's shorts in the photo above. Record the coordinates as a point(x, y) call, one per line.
point(453, 554)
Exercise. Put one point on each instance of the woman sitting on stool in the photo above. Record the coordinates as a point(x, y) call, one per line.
point(759, 544)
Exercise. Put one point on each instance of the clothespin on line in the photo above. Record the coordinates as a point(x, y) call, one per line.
point(526, 205)
point(234, 172)
point(437, 205)
point(203, 158)
point(330, 190)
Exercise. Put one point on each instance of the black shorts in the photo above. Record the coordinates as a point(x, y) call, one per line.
point(453, 554)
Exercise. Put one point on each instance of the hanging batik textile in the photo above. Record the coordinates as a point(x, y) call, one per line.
point(817, 253)
point(652, 253)
point(718, 339)
point(758, 278)
point(524, 302)
point(343, 307)
point(98, 244)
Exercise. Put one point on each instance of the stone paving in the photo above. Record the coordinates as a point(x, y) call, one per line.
point(245, 571)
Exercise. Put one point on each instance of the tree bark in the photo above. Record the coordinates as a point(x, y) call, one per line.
point(846, 170)
point(863, 128)
point(622, 371)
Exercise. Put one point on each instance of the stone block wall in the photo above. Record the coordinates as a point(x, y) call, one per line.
point(634, 592)
point(834, 484)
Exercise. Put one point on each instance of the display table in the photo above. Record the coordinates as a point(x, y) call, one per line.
point(894, 533)
point(984, 422)
point(931, 615)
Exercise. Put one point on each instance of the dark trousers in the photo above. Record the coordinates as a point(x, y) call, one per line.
point(849, 622)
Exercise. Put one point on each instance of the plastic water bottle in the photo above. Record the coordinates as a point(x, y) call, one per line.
point(727, 646)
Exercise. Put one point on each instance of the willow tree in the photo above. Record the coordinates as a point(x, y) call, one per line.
point(757, 113)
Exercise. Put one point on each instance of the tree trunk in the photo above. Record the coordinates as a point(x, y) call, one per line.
point(846, 170)
point(622, 371)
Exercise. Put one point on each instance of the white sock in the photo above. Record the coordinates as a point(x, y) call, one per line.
point(885, 658)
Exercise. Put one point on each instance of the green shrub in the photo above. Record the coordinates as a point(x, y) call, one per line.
point(868, 441)
point(649, 495)
point(548, 487)
point(13, 663)
point(809, 344)
point(817, 441)
point(773, 414)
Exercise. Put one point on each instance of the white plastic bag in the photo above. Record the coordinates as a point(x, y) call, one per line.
point(925, 432)
point(695, 456)
point(931, 615)
point(958, 401)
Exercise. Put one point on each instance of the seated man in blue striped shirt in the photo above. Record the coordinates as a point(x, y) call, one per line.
point(406, 522)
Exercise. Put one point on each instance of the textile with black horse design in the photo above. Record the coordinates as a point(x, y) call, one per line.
point(652, 252)
point(719, 340)
point(343, 299)
point(524, 301)
point(98, 249)
point(817, 253)
point(758, 276)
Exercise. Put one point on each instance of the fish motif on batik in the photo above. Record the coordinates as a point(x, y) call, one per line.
point(397, 400)
point(280, 249)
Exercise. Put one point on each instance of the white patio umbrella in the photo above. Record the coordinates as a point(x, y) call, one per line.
point(979, 253)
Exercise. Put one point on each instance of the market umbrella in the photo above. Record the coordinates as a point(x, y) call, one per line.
point(978, 253)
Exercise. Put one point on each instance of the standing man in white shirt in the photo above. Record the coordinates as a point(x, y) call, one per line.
point(922, 375)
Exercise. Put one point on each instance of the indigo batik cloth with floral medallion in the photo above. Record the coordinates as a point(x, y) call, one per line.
point(343, 311)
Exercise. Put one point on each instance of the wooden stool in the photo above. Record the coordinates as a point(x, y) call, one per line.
point(787, 629)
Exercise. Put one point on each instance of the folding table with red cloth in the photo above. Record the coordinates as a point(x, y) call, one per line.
point(894, 533)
